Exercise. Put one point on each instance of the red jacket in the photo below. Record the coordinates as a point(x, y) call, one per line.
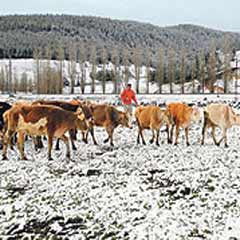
point(127, 96)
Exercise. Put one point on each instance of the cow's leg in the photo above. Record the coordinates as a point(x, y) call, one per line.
point(20, 143)
point(205, 126)
point(91, 130)
point(169, 140)
point(57, 146)
point(141, 134)
point(50, 142)
point(171, 133)
point(65, 139)
point(110, 130)
point(73, 136)
point(214, 136)
point(186, 135)
point(138, 136)
point(225, 137)
point(153, 137)
point(6, 141)
point(177, 134)
point(157, 138)
point(85, 136)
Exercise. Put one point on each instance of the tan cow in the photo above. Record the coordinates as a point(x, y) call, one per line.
point(44, 120)
point(182, 116)
point(222, 116)
point(151, 117)
point(103, 115)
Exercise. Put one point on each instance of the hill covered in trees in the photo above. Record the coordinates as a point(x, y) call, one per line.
point(21, 34)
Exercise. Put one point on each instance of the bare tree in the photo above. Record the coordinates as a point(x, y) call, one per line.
point(36, 57)
point(125, 60)
point(212, 67)
point(72, 66)
point(93, 70)
point(160, 69)
point(60, 58)
point(226, 64)
point(115, 75)
point(201, 74)
point(182, 69)
point(82, 55)
point(104, 62)
point(193, 75)
point(2, 80)
point(171, 69)
point(137, 67)
point(148, 69)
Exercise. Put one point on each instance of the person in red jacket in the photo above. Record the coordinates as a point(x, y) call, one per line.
point(127, 96)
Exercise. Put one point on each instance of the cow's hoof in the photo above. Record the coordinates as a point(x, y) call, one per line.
point(50, 159)
point(226, 145)
point(169, 141)
point(4, 158)
point(144, 143)
point(175, 144)
point(151, 141)
point(24, 158)
point(188, 144)
point(112, 145)
point(105, 141)
point(57, 148)
point(158, 144)
point(74, 148)
point(217, 144)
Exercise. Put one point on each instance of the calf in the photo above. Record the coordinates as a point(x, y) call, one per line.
point(151, 117)
point(182, 116)
point(222, 116)
point(42, 120)
point(69, 106)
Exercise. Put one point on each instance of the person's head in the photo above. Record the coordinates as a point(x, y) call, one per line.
point(129, 86)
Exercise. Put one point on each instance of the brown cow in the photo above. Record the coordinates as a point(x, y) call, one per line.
point(182, 116)
point(222, 116)
point(151, 117)
point(108, 117)
point(44, 120)
point(69, 106)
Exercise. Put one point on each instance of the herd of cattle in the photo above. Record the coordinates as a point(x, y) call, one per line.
point(54, 119)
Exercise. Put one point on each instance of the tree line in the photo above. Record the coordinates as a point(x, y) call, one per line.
point(171, 68)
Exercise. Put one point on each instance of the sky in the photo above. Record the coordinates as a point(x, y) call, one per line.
point(217, 14)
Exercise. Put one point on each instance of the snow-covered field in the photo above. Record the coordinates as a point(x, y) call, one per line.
point(128, 191)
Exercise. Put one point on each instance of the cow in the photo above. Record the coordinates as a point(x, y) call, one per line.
point(151, 117)
point(182, 116)
point(4, 106)
point(109, 117)
point(41, 120)
point(69, 106)
point(222, 116)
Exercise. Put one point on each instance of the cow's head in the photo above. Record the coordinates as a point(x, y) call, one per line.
point(82, 123)
point(125, 119)
point(196, 114)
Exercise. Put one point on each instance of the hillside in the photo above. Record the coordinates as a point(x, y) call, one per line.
point(20, 34)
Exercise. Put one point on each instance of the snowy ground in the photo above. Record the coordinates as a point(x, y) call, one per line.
point(129, 191)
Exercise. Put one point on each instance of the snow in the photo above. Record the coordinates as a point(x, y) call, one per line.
point(128, 191)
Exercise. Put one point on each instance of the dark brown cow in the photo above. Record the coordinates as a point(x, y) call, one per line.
point(108, 117)
point(41, 120)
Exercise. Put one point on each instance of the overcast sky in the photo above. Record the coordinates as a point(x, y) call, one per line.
point(218, 14)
